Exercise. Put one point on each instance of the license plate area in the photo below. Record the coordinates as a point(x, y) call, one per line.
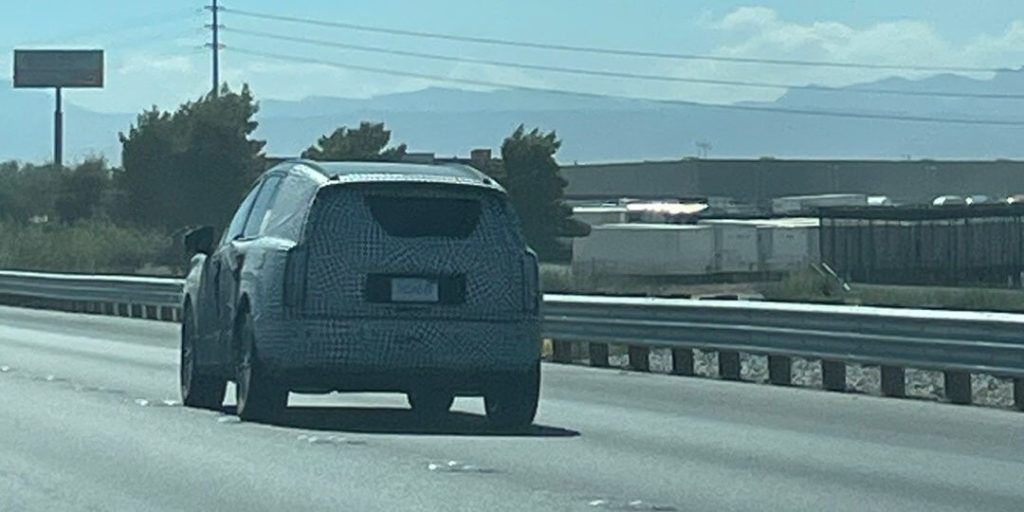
point(415, 289)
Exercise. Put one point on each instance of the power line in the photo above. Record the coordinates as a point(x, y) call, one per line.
point(614, 74)
point(608, 51)
point(137, 41)
point(747, 108)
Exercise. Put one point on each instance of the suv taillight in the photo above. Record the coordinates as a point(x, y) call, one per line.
point(531, 281)
point(295, 276)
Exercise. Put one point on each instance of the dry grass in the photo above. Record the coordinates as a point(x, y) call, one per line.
point(91, 247)
point(812, 287)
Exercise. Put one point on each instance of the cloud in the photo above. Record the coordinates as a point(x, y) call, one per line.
point(297, 80)
point(142, 79)
point(746, 17)
point(148, 63)
point(760, 32)
point(492, 74)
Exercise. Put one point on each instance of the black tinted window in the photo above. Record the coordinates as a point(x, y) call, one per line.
point(261, 207)
point(289, 207)
point(238, 221)
point(425, 216)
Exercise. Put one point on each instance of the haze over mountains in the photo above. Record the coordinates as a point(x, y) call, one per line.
point(451, 121)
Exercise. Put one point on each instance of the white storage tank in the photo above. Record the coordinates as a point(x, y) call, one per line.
point(600, 215)
point(645, 249)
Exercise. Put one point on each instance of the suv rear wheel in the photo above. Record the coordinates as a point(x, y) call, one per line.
point(511, 401)
point(257, 395)
point(197, 388)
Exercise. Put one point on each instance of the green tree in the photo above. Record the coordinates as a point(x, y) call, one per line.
point(82, 190)
point(367, 143)
point(28, 191)
point(191, 166)
point(536, 187)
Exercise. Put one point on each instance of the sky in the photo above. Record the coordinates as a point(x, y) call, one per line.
point(155, 55)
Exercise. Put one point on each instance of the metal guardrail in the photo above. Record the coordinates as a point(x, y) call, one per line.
point(143, 297)
point(940, 340)
point(958, 343)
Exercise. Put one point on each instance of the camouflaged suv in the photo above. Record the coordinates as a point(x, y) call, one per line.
point(365, 277)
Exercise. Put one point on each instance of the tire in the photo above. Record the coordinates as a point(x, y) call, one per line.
point(511, 401)
point(197, 389)
point(258, 397)
point(430, 402)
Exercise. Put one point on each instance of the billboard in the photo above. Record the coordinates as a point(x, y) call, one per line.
point(58, 68)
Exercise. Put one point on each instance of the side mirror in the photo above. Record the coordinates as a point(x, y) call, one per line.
point(199, 241)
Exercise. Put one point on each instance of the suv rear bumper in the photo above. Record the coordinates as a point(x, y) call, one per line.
point(386, 350)
point(322, 380)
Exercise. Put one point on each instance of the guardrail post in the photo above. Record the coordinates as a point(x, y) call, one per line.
point(729, 365)
point(780, 370)
point(561, 351)
point(1018, 393)
point(833, 375)
point(894, 381)
point(639, 358)
point(958, 387)
point(598, 354)
point(682, 361)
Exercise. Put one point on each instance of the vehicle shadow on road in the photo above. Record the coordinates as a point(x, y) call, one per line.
point(393, 420)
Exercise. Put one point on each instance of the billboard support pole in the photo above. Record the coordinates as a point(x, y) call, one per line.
point(58, 69)
point(58, 131)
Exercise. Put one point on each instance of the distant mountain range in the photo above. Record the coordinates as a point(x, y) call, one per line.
point(451, 122)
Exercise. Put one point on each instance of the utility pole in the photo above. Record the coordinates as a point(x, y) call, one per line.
point(58, 130)
point(215, 45)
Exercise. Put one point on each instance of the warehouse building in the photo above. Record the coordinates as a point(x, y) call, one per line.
point(759, 181)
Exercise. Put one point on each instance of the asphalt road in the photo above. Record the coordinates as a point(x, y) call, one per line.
point(89, 420)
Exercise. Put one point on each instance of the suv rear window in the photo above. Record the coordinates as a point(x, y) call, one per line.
point(425, 216)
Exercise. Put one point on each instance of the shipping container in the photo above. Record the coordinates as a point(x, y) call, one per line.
point(600, 215)
point(788, 244)
point(790, 205)
point(736, 245)
point(646, 249)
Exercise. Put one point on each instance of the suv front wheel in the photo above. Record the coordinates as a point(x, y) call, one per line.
point(257, 395)
point(197, 388)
